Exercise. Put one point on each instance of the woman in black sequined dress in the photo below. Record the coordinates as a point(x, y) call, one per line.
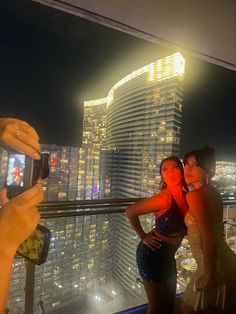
point(156, 250)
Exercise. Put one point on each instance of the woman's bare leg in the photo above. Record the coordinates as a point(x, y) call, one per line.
point(161, 297)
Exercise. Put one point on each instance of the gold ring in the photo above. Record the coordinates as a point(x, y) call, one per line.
point(18, 132)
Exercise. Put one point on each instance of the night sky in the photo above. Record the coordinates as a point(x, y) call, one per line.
point(50, 62)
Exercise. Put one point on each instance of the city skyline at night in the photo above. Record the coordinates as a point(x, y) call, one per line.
point(108, 107)
point(91, 264)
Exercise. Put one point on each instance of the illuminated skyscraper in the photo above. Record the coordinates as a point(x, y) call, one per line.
point(94, 123)
point(143, 127)
point(143, 114)
point(225, 179)
point(144, 124)
point(94, 135)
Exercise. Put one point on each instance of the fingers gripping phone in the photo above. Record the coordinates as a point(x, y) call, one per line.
point(22, 173)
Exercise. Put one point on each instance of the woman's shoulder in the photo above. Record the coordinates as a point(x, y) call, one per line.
point(206, 202)
point(195, 195)
point(166, 196)
point(206, 192)
point(161, 201)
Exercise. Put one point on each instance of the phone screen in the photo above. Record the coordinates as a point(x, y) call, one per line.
point(16, 169)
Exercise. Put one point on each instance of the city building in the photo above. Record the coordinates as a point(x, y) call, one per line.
point(125, 136)
point(94, 135)
point(144, 124)
point(143, 127)
point(225, 179)
point(62, 183)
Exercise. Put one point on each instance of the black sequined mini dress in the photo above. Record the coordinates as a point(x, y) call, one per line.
point(159, 265)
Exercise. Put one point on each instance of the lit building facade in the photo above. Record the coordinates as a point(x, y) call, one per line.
point(144, 124)
point(62, 183)
point(94, 122)
point(94, 135)
point(139, 125)
point(225, 179)
point(143, 127)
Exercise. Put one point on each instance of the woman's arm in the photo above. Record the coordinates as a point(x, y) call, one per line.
point(159, 202)
point(198, 209)
point(5, 276)
point(18, 219)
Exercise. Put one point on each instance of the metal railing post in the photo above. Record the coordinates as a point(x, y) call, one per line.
point(29, 287)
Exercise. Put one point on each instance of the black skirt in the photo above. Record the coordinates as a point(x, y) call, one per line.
point(157, 265)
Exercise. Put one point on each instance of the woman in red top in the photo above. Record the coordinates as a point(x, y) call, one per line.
point(156, 251)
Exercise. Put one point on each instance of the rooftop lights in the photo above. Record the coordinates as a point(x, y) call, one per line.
point(162, 69)
point(165, 68)
point(95, 102)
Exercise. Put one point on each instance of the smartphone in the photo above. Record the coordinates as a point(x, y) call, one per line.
point(35, 247)
point(22, 173)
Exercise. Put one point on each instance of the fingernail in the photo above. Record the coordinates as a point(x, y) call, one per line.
point(36, 156)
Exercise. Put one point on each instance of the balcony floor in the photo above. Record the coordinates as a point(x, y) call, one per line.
point(142, 308)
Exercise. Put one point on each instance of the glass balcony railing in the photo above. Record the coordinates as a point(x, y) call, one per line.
point(91, 265)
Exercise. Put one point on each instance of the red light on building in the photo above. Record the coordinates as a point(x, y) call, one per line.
point(53, 161)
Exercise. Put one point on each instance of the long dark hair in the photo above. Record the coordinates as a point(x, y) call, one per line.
point(206, 159)
point(179, 164)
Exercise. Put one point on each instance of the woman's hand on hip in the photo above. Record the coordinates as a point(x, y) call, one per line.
point(152, 240)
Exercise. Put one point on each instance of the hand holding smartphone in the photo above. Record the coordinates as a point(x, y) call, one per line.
point(22, 173)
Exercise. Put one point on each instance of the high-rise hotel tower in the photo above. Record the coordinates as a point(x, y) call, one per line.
point(135, 127)
point(94, 135)
point(143, 125)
